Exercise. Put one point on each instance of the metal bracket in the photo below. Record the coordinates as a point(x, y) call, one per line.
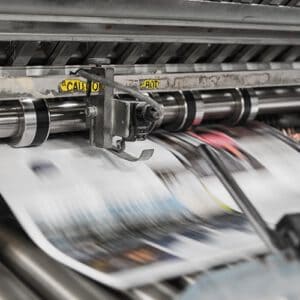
point(115, 121)
point(144, 155)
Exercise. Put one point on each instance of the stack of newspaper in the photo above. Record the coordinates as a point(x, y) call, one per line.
point(127, 224)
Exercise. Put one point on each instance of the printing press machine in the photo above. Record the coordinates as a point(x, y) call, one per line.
point(119, 70)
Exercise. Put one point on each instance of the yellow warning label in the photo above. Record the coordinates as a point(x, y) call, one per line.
point(77, 85)
point(149, 84)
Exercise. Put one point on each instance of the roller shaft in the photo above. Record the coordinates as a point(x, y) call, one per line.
point(13, 288)
point(45, 276)
point(67, 115)
point(231, 105)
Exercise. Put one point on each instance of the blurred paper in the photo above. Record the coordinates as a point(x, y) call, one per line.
point(126, 224)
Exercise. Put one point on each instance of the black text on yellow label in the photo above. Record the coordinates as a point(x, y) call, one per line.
point(77, 85)
point(149, 84)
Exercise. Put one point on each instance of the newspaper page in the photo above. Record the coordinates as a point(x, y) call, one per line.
point(127, 224)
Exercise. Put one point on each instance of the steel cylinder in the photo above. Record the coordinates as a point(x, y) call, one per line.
point(13, 288)
point(68, 114)
point(274, 101)
point(217, 105)
point(10, 112)
point(47, 277)
point(230, 105)
point(65, 115)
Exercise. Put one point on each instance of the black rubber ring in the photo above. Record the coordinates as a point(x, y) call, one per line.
point(88, 88)
point(247, 106)
point(191, 109)
point(42, 122)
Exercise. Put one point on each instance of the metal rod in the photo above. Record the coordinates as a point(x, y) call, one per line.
point(217, 104)
point(10, 113)
point(65, 115)
point(278, 101)
point(240, 198)
point(68, 114)
point(223, 105)
point(12, 288)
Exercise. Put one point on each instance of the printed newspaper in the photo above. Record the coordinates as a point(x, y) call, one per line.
point(127, 224)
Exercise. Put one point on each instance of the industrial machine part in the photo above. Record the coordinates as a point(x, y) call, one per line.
point(12, 288)
point(122, 69)
point(122, 44)
point(40, 274)
point(28, 121)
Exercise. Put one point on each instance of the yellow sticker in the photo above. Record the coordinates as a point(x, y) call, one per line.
point(149, 84)
point(77, 85)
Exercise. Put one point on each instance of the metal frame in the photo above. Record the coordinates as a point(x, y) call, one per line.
point(210, 80)
point(44, 82)
point(158, 12)
point(141, 21)
point(42, 31)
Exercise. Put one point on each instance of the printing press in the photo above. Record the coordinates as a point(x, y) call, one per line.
point(196, 78)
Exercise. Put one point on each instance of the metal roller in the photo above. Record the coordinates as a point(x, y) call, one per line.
point(180, 109)
point(232, 106)
point(278, 101)
point(48, 278)
point(12, 288)
point(65, 115)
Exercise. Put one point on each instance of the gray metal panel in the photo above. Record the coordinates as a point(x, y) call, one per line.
point(155, 12)
point(186, 68)
point(36, 82)
point(212, 80)
point(44, 31)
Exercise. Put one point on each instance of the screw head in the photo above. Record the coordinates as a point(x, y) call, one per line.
point(91, 111)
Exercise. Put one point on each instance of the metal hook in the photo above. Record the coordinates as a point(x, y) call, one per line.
point(145, 155)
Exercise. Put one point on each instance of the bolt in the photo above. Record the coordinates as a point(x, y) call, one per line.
point(118, 143)
point(98, 61)
point(151, 114)
point(91, 111)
